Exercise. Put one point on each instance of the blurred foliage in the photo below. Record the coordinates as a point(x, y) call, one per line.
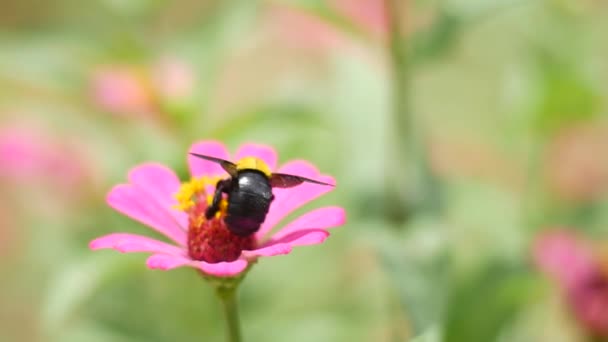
point(480, 306)
point(492, 87)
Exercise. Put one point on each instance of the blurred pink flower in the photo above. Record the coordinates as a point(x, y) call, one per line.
point(571, 261)
point(121, 90)
point(173, 78)
point(304, 29)
point(301, 29)
point(369, 14)
point(27, 154)
point(207, 245)
point(133, 91)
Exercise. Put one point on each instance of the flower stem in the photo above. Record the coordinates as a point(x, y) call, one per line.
point(227, 296)
point(400, 120)
point(411, 187)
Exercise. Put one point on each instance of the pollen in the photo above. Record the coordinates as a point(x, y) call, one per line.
point(209, 240)
point(193, 191)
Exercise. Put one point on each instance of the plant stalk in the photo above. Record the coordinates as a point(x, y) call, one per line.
point(411, 186)
point(229, 302)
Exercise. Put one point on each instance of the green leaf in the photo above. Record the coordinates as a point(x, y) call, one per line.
point(73, 285)
point(432, 334)
point(482, 305)
point(416, 262)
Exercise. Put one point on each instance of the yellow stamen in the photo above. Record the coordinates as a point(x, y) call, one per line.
point(189, 192)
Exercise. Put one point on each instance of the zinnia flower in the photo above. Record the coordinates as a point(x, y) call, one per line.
point(121, 90)
point(577, 267)
point(173, 79)
point(28, 154)
point(303, 30)
point(155, 197)
point(369, 14)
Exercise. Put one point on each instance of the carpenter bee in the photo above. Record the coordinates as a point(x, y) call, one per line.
point(249, 191)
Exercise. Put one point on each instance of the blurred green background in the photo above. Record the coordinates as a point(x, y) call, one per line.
point(457, 130)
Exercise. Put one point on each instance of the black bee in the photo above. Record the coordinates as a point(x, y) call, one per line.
point(249, 191)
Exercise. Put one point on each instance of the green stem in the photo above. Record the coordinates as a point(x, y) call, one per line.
point(399, 120)
point(411, 185)
point(228, 298)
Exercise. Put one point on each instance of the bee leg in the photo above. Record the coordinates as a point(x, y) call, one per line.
point(223, 186)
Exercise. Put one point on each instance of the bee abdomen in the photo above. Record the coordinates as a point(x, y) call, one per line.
point(246, 213)
point(242, 226)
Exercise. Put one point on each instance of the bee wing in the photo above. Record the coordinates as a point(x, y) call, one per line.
point(281, 180)
point(228, 166)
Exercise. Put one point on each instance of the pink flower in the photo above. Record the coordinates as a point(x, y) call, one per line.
point(207, 245)
point(571, 261)
point(121, 90)
point(303, 30)
point(27, 154)
point(173, 78)
point(369, 14)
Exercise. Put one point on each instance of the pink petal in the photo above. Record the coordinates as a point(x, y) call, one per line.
point(130, 243)
point(272, 250)
point(287, 200)
point(132, 202)
point(223, 269)
point(161, 184)
point(321, 218)
point(201, 167)
point(264, 152)
point(563, 255)
point(284, 245)
point(167, 262)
